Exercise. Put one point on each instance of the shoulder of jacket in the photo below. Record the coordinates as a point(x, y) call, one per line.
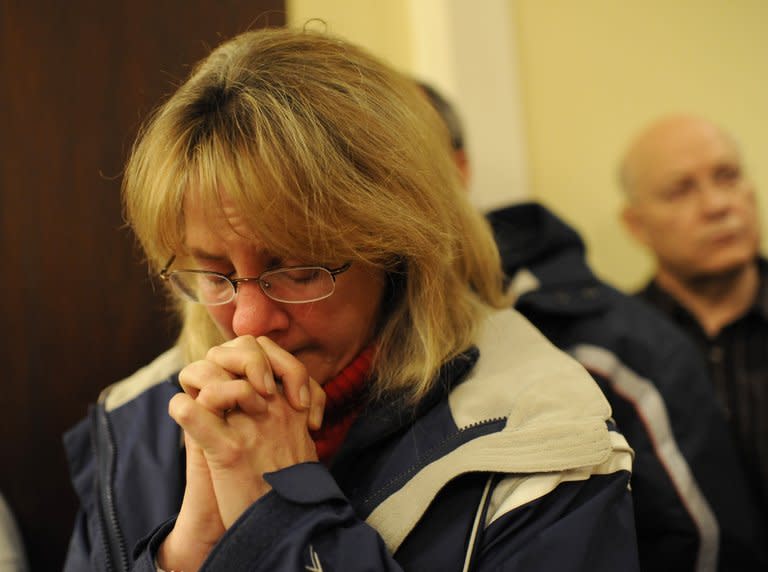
point(523, 377)
point(157, 371)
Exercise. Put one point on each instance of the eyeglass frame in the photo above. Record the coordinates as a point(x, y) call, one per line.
point(234, 282)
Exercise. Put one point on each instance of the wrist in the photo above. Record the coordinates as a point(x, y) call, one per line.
point(176, 554)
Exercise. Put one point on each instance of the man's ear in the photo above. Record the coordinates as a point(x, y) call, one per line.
point(461, 159)
point(633, 220)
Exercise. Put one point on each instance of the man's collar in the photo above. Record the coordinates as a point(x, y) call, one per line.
point(671, 306)
point(761, 300)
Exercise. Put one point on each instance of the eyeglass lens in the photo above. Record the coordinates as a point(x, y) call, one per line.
point(304, 284)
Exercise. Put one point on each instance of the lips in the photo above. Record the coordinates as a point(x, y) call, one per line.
point(724, 231)
point(724, 240)
point(300, 353)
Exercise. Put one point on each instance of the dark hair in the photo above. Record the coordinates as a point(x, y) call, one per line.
point(447, 113)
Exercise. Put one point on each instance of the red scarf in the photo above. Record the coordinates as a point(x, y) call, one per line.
point(344, 400)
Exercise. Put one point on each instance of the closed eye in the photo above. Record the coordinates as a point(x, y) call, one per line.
point(726, 175)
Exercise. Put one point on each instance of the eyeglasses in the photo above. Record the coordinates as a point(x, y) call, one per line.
point(291, 285)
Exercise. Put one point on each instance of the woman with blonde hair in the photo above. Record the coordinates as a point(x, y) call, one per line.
point(349, 390)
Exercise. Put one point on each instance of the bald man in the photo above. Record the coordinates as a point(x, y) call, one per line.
point(690, 202)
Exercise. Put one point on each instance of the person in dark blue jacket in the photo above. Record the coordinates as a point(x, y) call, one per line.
point(661, 395)
point(351, 390)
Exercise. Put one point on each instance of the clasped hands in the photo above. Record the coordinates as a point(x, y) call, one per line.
point(238, 423)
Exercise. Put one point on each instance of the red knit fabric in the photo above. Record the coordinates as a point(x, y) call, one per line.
point(343, 403)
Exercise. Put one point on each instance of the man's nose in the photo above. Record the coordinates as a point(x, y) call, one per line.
point(256, 313)
point(714, 198)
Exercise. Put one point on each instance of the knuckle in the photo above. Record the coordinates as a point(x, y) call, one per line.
point(210, 395)
point(213, 352)
point(283, 412)
point(254, 366)
point(247, 340)
point(208, 391)
point(242, 388)
point(180, 408)
point(188, 374)
point(232, 451)
point(195, 370)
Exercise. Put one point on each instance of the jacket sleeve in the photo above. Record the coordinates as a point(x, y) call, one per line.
point(665, 405)
point(580, 526)
point(304, 523)
point(79, 546)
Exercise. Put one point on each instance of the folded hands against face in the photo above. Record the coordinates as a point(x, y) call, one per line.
point(246, 410)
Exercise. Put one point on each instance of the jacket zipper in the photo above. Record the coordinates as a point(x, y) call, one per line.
point(115, 552)
point(449, 443)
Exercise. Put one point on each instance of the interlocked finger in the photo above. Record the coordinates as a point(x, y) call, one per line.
point(244, 357)
point(226, 396)
point(200, 374)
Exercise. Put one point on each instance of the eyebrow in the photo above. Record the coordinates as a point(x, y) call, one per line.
point(201, 254)
point(204, 255)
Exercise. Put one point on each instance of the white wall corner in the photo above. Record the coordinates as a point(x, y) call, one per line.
point(468, 50)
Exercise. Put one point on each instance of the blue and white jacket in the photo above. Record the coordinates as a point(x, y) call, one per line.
point(694, 508)
point(509, 464)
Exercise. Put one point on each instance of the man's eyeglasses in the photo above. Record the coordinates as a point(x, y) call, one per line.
point(291, 284)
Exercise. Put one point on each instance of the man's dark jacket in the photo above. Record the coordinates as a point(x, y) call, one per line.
point(693, 511)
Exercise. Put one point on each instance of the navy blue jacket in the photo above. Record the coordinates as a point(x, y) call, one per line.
point(509, 463)
point(692, 506)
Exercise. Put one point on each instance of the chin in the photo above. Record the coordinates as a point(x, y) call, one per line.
point(727, 262)
point(322, 371)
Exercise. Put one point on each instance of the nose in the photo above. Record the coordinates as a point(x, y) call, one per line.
point(256, 313)
point(715, 200)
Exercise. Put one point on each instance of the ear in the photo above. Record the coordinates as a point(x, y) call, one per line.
point(633, 220)
point(461, 159)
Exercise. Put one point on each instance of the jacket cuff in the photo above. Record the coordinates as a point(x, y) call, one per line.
point(271, 519)
point(145, 552)
point(305, 483)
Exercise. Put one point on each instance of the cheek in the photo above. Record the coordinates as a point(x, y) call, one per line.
point(333, 326)
point(672, 232)
point(344, 326)
point(748, 207)
point(681, 223)
point(668, 223)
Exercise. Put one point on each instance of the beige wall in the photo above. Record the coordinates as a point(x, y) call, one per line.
point(381, 26)
point(469, 54)
point(587, 75)
point(594, 71)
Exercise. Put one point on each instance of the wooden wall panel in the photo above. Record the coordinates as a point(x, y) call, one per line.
point(77, 309)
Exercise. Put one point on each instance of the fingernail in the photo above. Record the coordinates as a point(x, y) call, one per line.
point(304, 396)
point(316, 417)
point(269, 383)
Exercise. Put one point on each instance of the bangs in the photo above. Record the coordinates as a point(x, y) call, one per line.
point(277, 169)
point(279, 187)
point(329, 166)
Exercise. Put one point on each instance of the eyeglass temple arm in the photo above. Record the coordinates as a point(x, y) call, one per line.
point(164, 271)
point(340, 269)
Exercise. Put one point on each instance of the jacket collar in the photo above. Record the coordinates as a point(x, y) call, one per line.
point(544, 259)
point(555, 420)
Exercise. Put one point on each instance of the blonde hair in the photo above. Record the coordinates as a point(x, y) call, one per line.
point(329, 153)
